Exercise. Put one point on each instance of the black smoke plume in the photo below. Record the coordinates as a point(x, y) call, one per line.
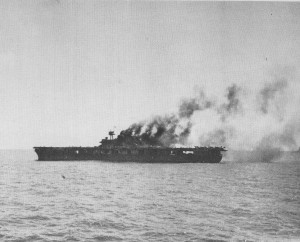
point(159, 131)
point(168, 130)
point(244, 120)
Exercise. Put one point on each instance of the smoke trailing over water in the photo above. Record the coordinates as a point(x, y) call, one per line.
point(263, 120)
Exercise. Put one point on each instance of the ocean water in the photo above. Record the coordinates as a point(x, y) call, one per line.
point(102, 201)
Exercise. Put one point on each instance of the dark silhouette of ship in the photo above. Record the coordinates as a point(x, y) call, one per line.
point(131, 149)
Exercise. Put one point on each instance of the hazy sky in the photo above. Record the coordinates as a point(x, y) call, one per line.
point(72, 70)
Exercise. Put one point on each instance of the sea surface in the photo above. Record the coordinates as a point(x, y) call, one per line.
point(103, 201)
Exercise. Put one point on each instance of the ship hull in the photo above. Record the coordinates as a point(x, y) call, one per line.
point(141, 155)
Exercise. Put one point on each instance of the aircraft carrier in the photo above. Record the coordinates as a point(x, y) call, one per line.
point(131, 150)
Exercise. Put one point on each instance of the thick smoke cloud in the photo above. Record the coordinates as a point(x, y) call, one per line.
point(158, 131)
point(262, 120)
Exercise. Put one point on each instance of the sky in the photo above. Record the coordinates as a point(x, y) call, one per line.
point(70, 71)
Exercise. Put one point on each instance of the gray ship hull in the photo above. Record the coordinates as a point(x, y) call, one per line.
point(144, 155)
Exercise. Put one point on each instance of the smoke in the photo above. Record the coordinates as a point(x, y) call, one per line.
point(165, 131)
point(233, 104)
point(169, 130)
point(189, 106)
point(268, 94)
point(261, 120)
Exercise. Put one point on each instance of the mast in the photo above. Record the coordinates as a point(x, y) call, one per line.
point(111, 135)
